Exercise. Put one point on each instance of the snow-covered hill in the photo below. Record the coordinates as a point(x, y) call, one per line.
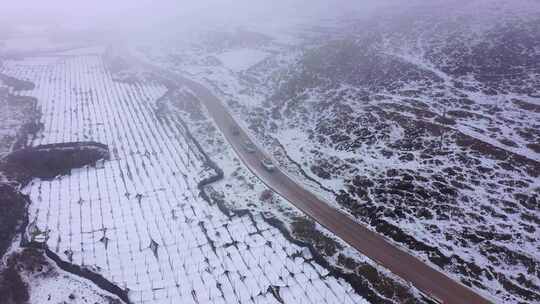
point(421, 122)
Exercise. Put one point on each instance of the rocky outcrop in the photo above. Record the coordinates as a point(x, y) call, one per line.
point(17, 84)
point(49, 161)
point(12, 215)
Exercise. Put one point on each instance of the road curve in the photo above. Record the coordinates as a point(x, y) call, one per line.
point(430, 281)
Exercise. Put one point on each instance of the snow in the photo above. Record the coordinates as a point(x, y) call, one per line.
point(241, 59)
point(57, 289)
point(247, 99)
point(165, 243)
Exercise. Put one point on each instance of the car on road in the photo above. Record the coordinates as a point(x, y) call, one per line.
point(249, 146)
point(268, 164)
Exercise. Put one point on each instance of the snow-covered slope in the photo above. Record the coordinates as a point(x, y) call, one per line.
point(139, 219)
point(421, 122)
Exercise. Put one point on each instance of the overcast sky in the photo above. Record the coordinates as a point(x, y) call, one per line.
point(129, 13)
point(154, 8)
point(165, 14)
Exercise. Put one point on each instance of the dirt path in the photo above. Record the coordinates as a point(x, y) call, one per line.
point(430, 281)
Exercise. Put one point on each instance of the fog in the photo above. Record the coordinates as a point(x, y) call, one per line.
point(143, 13)
point(417, 118)
point(103, 20)
point(124, 19)
point(159, 16)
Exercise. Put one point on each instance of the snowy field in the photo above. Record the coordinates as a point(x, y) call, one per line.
point(138, 219)
point(242, 59)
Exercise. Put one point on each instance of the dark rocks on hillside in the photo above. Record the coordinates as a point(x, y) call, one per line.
point(23, 267)
point(305, 229)
point(509, 160)
point(527, 106)
point(23, 120)
point(12, 214)
point(374, 94)
point(48, 161)
point(17, 84)
point(320, 172)
point(12, 288)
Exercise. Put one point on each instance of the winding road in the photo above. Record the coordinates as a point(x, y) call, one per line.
point(430, 281)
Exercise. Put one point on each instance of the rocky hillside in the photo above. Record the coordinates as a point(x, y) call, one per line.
point(426, 128)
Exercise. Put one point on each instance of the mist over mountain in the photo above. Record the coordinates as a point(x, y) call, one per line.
point(221, 151)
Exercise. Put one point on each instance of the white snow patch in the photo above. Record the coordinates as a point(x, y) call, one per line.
point(241, 59)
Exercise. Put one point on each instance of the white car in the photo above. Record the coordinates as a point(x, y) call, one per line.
point(268, 165)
